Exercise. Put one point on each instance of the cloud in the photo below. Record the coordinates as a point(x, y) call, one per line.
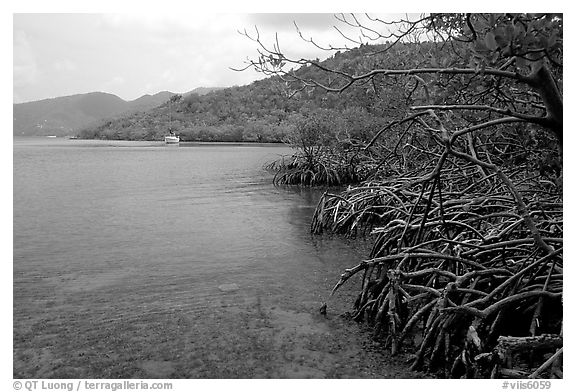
point(124, 54)
point(25, 65)
point(168, 76)
point(65, 65)
point(113, 84)
point(172, 25)
point(286, 21)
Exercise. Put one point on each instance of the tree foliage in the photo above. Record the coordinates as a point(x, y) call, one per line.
point(263, 111)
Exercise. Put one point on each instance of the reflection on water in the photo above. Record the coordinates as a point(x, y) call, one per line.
point(132, 259)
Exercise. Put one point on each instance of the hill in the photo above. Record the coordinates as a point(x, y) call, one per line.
point(68, 115)
point(262, 111)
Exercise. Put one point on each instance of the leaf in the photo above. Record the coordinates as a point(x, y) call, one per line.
point(520, 62)
point(519, 31)
point(510, 31)
point(490, 41)
point(552, 40)
point(480, 47)
point(494, 58)
point(501, 38)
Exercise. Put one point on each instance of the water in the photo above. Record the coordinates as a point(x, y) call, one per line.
point(136, 259)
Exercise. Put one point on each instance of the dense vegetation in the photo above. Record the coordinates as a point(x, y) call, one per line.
point(64, 116)
point(264, 111)
point(461, 187)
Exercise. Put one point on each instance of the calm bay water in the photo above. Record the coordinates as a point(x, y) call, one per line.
point(136, 259)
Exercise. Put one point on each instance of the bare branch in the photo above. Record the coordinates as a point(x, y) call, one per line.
point(533, 119)
point(487, 124)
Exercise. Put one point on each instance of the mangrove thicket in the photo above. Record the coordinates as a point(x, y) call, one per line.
point(454, 166)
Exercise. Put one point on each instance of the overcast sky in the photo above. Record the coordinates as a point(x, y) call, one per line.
point(134, 54)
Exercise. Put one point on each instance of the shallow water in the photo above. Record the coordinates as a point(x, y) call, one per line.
point(136, 259)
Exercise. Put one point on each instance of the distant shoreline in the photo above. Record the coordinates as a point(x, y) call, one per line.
point(186, 143)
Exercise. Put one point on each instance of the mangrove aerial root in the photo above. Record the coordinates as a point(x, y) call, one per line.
point(312, 170)
point(463, 263)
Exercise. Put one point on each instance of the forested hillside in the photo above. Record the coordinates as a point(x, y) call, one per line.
point(64, 116)
point(264, 111)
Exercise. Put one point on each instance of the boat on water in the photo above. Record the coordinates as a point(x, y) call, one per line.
point(172, 138)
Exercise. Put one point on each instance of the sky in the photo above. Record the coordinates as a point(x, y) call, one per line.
point(132, 54)
point(132, 48)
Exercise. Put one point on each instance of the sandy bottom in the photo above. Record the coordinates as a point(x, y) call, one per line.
point(165, 325)
point(250, 341)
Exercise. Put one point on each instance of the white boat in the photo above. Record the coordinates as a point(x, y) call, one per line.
point(172, 139)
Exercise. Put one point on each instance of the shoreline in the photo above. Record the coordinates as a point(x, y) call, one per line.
point(50, 139)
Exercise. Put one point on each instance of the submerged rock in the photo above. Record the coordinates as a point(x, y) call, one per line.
point(228, 287)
